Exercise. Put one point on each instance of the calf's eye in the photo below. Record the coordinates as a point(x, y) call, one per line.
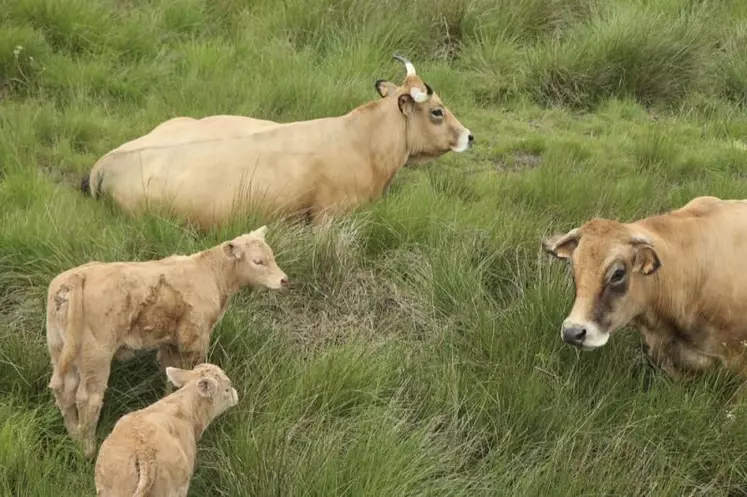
point(258, 262)
point(437, 113)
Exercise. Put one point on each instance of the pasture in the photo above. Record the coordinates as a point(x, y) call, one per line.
point(418, 351)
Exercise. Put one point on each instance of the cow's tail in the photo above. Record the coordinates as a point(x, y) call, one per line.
point(74, 323)
point(85, 184)
point(146, 471)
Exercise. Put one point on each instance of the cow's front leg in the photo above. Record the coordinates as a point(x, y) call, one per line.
point(659, 352)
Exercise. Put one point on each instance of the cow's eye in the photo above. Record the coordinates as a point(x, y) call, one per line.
point(617, 276)
point(438, 113)
point(258, 262)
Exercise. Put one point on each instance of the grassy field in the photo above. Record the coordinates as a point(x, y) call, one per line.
point(418, 352)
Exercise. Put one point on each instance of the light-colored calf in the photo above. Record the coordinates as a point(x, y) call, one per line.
point(152, 452)
point(99, 310)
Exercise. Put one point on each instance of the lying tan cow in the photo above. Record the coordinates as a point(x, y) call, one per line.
point(99, 310)
point(671, 276)
point(317, 168)
point(152, 452)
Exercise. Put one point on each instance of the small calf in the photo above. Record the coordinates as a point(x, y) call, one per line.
point(151, 452)
point(100, 310)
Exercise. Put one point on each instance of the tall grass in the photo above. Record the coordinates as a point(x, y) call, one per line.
point(418, 350)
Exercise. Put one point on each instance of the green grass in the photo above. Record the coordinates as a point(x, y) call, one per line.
point(418, 352)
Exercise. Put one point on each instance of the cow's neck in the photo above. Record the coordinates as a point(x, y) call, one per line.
point(667, 291)
point(223, 271)
point(381, 130)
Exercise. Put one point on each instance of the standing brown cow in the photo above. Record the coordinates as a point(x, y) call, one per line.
point(674, 277)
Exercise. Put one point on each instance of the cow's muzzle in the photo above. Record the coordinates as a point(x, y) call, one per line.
point(574, 335)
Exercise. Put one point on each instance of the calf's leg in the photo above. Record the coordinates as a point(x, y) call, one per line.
point(169, 356)
point(63, 387)
point(94, 376)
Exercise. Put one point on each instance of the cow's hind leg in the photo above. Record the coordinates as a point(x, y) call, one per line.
point(89, 398)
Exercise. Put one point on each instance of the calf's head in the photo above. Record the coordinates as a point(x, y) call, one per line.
point(211, 383)
point(612, 266)
point(432, 130)
point(254, 261)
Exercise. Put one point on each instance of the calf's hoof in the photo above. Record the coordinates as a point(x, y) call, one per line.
point(89, 449)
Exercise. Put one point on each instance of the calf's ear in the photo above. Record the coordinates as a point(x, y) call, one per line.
point(260, 232)
point(233, 250)
point(207, 386)
point(178, 376)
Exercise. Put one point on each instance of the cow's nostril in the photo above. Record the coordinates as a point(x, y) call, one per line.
point(283, 281)
point(471, 138)
point(574, 335)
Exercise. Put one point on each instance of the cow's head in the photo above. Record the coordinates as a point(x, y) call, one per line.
point(211, 383)
point(254, 261)
point(432, 130)
point(611, 265)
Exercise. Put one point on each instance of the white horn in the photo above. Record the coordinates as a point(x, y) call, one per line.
point(408, 65)
point(418, 95)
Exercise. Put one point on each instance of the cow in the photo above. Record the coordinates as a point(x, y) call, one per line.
point(669, 276)
point(315, 168)
point(100, 310)
point(152, 452)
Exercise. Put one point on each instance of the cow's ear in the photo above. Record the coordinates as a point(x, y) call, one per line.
point(385, 88)
point(233, 250)
point(178, 376)
point(207, 386)
point(406, 104)
point(562, 246)
point(645, 259)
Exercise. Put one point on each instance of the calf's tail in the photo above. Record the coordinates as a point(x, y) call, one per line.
point(146, 475)
point(74, 323)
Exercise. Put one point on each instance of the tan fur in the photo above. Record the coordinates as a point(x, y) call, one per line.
point(152, 452)
point(320, 167)
point(685, 294)
point(100, 310)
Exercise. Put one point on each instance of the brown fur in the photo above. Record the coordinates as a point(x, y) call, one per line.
point(681, 291)
point(152, 452)
point(321, 167)
point(100, 310)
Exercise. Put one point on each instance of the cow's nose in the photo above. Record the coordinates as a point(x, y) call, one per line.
point(574, 335)
point(284, 281)
point(471, 138)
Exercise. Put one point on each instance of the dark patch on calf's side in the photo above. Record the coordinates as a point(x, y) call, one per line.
point(160, 313)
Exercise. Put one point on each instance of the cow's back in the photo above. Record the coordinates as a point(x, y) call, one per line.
point(702, 246)
point(273, 169)
point(122, 169)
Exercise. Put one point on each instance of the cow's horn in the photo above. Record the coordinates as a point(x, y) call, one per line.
point(408, 65)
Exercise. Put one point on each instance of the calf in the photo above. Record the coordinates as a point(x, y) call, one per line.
point(151, 452)
point(99, 310)
point(672, 277)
